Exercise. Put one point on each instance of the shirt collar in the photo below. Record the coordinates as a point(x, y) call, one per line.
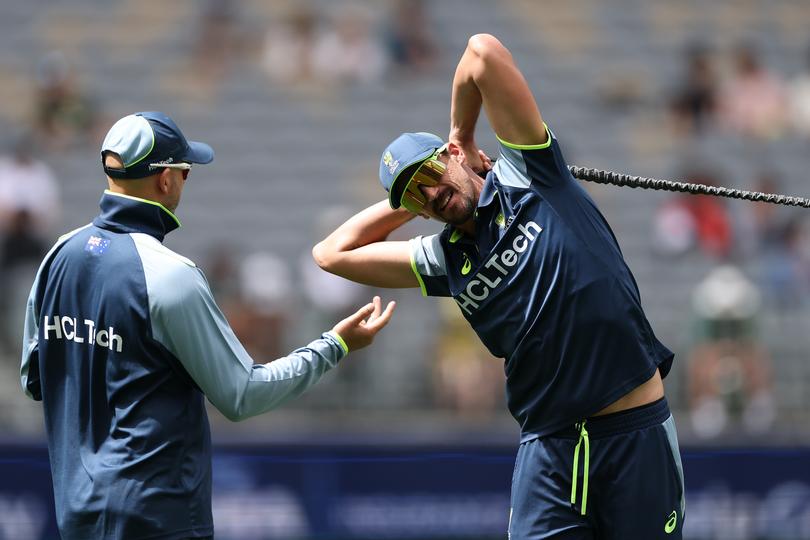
point(128, 214)
point(489, 191)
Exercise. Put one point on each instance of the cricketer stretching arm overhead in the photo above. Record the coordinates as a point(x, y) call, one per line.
point(539, 275)
point(486, 75)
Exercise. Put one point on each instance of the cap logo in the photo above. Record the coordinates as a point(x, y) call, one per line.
point(388, 161)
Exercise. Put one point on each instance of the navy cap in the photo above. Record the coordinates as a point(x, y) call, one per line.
point(144, 138)
point(402, 158)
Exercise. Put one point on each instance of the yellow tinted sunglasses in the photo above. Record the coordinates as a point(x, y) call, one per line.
point(428, 174)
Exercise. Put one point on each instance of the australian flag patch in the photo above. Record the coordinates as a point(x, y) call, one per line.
point(97, 245)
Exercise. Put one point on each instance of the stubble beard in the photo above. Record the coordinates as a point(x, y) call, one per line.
point(464, 215)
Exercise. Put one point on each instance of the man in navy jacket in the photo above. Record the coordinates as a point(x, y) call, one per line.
point(122, 341)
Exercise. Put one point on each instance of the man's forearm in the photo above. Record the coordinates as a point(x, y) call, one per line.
point(358, 249)
point(373, 224)
point(274, 383)
point(488, 77)
point(466, 100)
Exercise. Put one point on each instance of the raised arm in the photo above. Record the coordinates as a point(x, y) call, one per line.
point(358, 249)
point(487, 75)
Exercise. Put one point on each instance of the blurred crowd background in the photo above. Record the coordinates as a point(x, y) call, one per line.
point(298, 99)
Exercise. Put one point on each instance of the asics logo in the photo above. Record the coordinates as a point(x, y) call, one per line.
point(671, 523)
point(495, 269)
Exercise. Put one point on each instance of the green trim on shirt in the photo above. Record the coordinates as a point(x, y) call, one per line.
point(529, 146)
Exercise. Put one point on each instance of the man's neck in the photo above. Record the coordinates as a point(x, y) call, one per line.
point(468, 227)
point(135, 188)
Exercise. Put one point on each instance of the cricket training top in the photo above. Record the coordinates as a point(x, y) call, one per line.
point(123, 340)
point(545, 286)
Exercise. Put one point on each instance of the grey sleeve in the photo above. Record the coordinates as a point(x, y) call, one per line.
point(29, 366)
point(429, 265)
point(511, 167)
point(187, 321)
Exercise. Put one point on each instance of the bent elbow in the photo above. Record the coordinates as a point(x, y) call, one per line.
point(231, 414)
point(485, 46)
point(232, 410)
point(238, 416)
point(323, 256)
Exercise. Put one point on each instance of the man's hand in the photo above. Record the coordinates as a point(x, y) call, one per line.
point(469, 154)
point(486, 162)
point(358, 331)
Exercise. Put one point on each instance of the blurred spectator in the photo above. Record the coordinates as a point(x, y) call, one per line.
point(27, 184)
point(689, 221)
point(326, 296)
point(760, 222)
point(409, 36)
point(754, 101)
point(21, 249)
point(694, 102)
point(29, 207)
point(799, 93)
point(349, 51)
point(289, 47)
point(785, 266)
point(729, 378)
point(222, 274)
point(674, 228)
point(468, 379)
point(260, 316)
point(64, 115)
point(775, 239)
point(20, 244)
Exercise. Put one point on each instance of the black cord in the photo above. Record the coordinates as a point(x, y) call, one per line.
point(618, 179)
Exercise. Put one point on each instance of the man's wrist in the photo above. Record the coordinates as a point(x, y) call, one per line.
point(405, 214)
point(337, 339)
point(461, 136)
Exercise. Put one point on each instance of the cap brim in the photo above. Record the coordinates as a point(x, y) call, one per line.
point(199, 152)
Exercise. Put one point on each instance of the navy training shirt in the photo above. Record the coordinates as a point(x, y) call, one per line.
point(545, 286)
point(123, 340)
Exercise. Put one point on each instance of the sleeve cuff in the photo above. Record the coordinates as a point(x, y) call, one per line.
point(542, 146)
point(335, 337)
point(412, 247)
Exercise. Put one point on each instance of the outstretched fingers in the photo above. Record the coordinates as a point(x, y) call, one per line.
point(377, 308)
point(358, 330)
point(485, 159)
point(357, 318)
point(378, 318)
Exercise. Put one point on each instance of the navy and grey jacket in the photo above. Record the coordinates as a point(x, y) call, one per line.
point(122, 340)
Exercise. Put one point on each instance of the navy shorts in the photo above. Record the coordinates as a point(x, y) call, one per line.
point(627, 482)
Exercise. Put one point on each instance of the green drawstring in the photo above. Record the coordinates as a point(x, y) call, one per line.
point(583, 436)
